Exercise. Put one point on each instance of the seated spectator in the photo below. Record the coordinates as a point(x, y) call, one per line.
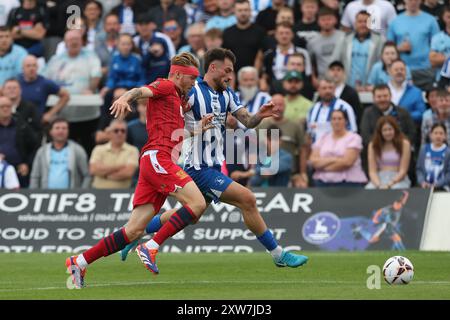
point(195, 37)
point(61, 163)
point(125, 70)
point(127, 12)
point(18, 142)
point(213, 39)
point(440, 43)
point(293, 140)
point(11, 56)
point(336, 71)
point(361, 49)
point(307, 28)
point(172, 29)
point(389, 155)
point(167, 10)
point(379, 72)
point(433, 165)
point(93, 12)
point(319, 116)
point(78, 71)
point(36, 89)
point(296, 62)
point(297, 106)
point(210, 9)
point(413, 43)
point(439, 114)
point(8, 176)
point(25, 110)
point(80, 24)
point(336, 156)
point(404, 94)
point(194, 11)
point(137, 132)
point(106, 41)
point(384, 107)
point(225, 17)
point(267, 17)
point(113, 164)
point(444, 81)
point(5, 8)
point(249, 94)
point(276, 157)
point(29, 24)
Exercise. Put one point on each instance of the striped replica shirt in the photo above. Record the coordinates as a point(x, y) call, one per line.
point(319, 118)
point(208, 149)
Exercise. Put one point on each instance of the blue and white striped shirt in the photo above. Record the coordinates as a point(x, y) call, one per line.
point(208, 149)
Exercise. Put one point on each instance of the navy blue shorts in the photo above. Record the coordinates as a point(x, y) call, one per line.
point(211, 182)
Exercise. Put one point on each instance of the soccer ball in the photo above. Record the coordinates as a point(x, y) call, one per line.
point(398, 270)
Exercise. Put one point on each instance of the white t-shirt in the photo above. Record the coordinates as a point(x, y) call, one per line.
point(10, 180)
point(5, 7)
point(382, 13)
point(397, 94)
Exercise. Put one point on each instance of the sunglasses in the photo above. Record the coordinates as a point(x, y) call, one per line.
point(119, 131)
point(170, 28)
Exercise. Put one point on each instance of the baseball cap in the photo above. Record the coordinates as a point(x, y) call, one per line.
point(293, 75)
point(336, 63)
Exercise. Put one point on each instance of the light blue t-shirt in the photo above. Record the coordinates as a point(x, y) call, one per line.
point(360, 54)
point(418, 30)
point(11, 63)
point(441, 43)
point(379, 76)
point(58, 173)
point(221, 23)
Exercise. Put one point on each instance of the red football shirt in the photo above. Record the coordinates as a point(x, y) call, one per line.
point(165, 117)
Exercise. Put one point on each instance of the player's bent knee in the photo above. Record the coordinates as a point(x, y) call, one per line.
point(134, 232)
point(198, 206)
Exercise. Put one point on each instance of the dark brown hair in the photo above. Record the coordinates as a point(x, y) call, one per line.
point(218, 54)
point(378, 140)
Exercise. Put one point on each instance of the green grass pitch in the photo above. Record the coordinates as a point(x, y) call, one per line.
point(341, 275)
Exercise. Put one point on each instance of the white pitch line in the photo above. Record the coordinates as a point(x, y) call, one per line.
point(99, 285)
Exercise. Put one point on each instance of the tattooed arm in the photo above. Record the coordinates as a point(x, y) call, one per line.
point(251, 121)
point(121, 106)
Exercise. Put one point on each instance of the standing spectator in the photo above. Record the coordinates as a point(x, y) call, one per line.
point(297, 106)
point(440, 114)
point(11, 56)
point(319, 116)
point(79, 23)
point(379, 72)
point(325, 47)
point(382, 13)
point(79, 71)
point(267, 17)
point(5, 8)
point(137, 133)
point(404, 94)
point(61, 163)
point(307, 28)
point(383, 106)
point(63, 17)
point(336, 71)
point(127, 12)
point(440, 43)
point(213, 39)
point(108, 5)
point(113, 164)
point(225, 18)
point(360, 50)
point(434, 8)
point(196, 40)
point(433, 165)
point(336, 156)
point(389, 156)
point(93, 12)
point(36, 89)
point(25, 110)
point(106, 41)
point(245, 39)
point(8, 176)
point(194, 12)
point(29, 24)
point(249, 93)
point(293, 140)
point(210, 9)
point(172, 29)
point(276, 157)
point(414, 44)
point(18, 142)
point(167, 10)
point(275, 60)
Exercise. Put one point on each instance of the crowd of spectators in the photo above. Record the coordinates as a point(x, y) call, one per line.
point(313, 58)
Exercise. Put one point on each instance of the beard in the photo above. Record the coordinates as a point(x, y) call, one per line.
point(248, 93)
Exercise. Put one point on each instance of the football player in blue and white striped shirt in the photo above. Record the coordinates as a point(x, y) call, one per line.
point(204, 158)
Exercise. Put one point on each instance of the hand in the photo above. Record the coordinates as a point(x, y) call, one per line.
point(120, 108)
point(156, 49)
point(103, 91)
point(236, 175)
point(207, 122)
point(267, 110)
point(383, 186)
point(47, 117)
point(425, 185)
point(87, 92)
point(23, 169)
point(300, 181)
point(405, 46)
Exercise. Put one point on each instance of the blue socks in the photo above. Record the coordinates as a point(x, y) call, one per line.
point(154, 225)
point(268, 241)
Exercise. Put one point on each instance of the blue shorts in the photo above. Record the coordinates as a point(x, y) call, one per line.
point(211, 182)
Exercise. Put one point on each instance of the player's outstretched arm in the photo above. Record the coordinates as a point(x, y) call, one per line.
point(251, 121)
point(121, 106)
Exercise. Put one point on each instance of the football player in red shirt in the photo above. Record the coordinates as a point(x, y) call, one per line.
point(159, 176)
